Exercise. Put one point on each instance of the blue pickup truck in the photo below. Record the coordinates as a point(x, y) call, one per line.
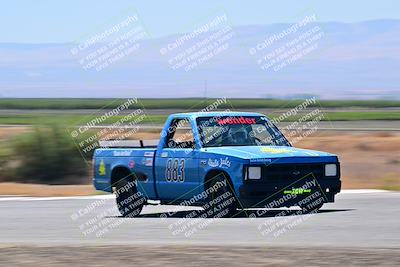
point(225, 162)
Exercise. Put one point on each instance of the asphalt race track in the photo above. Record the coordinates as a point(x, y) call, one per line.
point(361, 229)
point(356, 219)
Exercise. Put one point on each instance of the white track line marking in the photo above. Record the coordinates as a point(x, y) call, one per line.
point(55, 198)
point(22, 198)
point(363, 191)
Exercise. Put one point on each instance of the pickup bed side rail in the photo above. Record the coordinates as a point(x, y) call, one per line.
point(129, 143)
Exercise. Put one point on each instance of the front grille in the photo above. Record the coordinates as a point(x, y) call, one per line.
point(290, 172)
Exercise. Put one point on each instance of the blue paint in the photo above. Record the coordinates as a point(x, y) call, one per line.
point(195, 163)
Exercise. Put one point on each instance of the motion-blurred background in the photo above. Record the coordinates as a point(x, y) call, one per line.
point(63, 64)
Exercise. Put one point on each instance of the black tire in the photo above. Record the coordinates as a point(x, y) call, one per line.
point(129, 201)
point(220, 203)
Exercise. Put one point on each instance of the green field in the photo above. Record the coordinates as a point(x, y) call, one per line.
point(25, 117)
point(69, 120)
point(184, 103)
point(76, 119)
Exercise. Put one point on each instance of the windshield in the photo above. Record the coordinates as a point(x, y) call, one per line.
point(239, 131)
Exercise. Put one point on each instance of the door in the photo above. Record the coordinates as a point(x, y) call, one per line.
point(176, 163)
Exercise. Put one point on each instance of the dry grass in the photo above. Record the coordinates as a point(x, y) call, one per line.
point(10, 131)
point(39, 190)
point(368, 160)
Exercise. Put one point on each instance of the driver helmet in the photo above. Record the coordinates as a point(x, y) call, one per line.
point(237, 135)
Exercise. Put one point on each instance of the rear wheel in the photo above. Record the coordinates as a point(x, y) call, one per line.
point(129, 201)
point(221, 201)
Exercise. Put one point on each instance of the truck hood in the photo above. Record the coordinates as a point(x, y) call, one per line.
point(263, 152)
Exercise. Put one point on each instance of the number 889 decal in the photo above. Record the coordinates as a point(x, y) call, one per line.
point(175, 171)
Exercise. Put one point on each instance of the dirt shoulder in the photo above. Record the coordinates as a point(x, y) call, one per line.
point(195, 256)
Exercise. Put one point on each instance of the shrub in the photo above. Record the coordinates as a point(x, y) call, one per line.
point(48, 155)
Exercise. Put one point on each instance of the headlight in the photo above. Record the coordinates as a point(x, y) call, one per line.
point(254, 173)
point(330, 170)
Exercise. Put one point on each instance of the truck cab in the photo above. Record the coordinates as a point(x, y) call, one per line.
point(202, 157)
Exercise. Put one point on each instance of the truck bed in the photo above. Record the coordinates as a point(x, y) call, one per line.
point(138, 155)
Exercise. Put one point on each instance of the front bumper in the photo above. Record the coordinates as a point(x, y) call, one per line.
point(276, 194)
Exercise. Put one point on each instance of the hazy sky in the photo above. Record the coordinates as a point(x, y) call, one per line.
point(41, 21)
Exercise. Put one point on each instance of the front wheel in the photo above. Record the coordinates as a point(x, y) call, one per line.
point(221, 201)
point(129, 201)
